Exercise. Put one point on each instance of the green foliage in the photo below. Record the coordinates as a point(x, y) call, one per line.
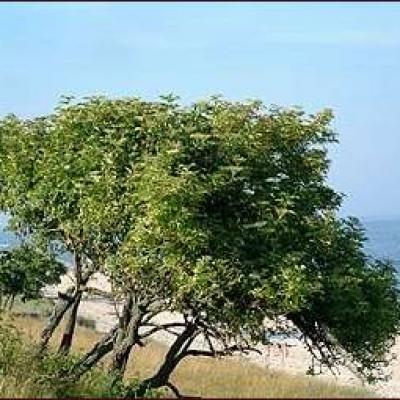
point(25, 270)
point(23, 374)
point(224, 205)
point(132, 386)
point(35, 308)
point(65, 176)
point(10, 347)
point(237, 223)
point(358, 298)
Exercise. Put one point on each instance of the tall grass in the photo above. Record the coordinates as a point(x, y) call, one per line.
point(198, 376)
point(24, 374)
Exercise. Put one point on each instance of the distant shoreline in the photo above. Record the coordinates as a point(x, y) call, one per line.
point(383, 241)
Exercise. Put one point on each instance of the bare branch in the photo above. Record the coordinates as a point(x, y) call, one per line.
point(117, 313)
point(204, 353)
point(189, 342)
point(209, 341)
point(149, 316)
point(166, 325)
point(228, 351)
point(174, 389)
point(158, 328)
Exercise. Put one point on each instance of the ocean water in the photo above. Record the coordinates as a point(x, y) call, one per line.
point(383, 239)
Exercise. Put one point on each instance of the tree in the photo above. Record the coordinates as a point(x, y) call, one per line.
point(25, 270)
point(218, 210)
point(233, 211)
point(240, 223)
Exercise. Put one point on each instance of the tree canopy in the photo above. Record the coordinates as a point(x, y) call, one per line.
point(237, 217)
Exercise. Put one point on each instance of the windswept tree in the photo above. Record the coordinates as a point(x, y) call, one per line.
point(235, 223)
point(219, 211)
point(238, 219)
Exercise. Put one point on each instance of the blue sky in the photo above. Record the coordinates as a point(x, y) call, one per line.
point(340, 55)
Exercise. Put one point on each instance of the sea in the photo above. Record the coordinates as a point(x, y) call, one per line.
point(383, 239)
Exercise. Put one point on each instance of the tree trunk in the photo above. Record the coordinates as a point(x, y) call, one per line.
point(72, 297)
point(175, 354)
point(103, 347)
point(127, 338)
point(11, 302)
point(66, 340)
point(124, 319)
point(64, 303)
point(110, 341)
point(69, 330)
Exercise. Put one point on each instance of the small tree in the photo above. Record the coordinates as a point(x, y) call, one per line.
point(25, 270)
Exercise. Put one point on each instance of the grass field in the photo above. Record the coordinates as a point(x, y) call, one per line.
point(204, 376)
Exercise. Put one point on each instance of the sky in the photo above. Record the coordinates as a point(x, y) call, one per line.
point(345, 56)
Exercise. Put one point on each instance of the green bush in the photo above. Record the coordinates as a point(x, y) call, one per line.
point(35, 308)
point(10, 349)
point(24, 374)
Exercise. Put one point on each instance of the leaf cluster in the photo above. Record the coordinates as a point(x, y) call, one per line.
point(25, 270)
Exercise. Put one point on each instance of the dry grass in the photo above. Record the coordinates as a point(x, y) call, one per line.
point(208, 377)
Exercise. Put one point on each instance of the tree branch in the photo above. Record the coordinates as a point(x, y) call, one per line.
point(174, 389)
point(228, 351)
point(206, 335)
point(165, 327)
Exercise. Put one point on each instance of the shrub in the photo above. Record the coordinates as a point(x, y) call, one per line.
point(24, 374)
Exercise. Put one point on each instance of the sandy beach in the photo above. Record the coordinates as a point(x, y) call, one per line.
point(296, 361)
